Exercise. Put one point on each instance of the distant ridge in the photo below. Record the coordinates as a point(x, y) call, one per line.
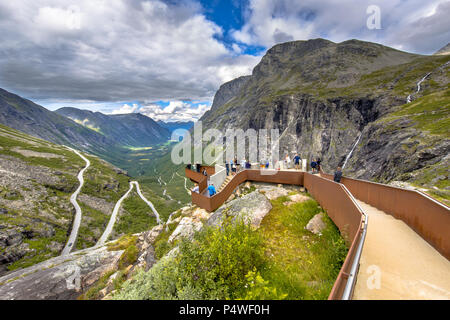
point(132, 129)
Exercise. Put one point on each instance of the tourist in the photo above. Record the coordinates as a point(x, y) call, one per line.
point(211, 190)
point(233, 167)
point(204, 172)
point(318, 164)
point(297, 161)
point(243, 164)
point(196, 188)
point(287, 161)
point(227, 166)
point(248, 165)
point(338, 175)
point(198, 165)
point(314, 166)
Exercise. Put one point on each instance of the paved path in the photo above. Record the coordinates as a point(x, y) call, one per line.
point(410, 268)
point(158, 220)
point(73, 199)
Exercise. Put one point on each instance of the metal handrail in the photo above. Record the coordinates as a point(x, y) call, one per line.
point(351, 280)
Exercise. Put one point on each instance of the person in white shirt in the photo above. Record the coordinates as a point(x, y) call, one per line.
point(196, 188)
point(288, 161)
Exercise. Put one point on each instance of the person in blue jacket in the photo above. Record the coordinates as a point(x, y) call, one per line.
point(297, 162)
point(211, 190)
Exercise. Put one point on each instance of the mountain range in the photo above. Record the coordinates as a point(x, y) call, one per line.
point(134, 129)
point(108, 136)
point(328, 99)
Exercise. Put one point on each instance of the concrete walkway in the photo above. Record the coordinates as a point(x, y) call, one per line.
point(406, 266)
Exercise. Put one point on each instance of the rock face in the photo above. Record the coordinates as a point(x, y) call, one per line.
point(186, 229)
point(251, 208)
point(316, 224)
point(60, 278)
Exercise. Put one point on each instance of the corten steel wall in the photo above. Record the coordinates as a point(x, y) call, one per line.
point(428, 217)
point(197, 177)
point(346, 216)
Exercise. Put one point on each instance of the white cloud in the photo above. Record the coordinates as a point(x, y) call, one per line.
point(415, 25)
point(122, 51)
point(126, 109)
point(175, 111)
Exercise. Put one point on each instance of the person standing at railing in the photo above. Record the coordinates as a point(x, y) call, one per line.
point(227, 166)
point(338, 175)
point(287, 161)
point(196, 188)
point(314, 166)
point(205, 173)
point(297, 161)
point(318, 164)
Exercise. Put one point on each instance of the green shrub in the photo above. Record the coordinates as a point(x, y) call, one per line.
point(259, 289)
point(212, 266)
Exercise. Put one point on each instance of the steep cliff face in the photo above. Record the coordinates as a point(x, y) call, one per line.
point(324, 96)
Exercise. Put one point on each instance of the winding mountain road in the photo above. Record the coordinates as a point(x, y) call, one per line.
point(185, 184)
point(112, 220)
point(73, 200)
point(158, 220)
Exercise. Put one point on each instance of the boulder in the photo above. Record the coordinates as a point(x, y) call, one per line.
point(296, 198)
point(251, 208)
point(316, 224)
point(275, 193)
point(186, 229)
point(200, 214)
point(150, 236)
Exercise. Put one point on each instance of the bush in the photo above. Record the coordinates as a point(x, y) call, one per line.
point(213, 266)
point(259, 289)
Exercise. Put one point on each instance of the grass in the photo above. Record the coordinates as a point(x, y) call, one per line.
point(301, 264)
point(93, 222)
point(430, 113)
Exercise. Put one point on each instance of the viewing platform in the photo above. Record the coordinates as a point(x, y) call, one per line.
point(398, 239)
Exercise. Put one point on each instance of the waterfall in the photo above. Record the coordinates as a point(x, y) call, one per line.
point(408, 99)
point(351, 151)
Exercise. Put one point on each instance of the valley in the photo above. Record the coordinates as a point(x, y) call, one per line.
point(98, 196)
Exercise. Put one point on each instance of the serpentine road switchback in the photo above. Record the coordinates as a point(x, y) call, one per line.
point(113, 218)
point(78, 213)
point(73, 200)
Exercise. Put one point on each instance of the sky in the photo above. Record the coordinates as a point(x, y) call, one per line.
point(166, 59)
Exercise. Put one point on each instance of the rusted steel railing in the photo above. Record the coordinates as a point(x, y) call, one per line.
point(343, 209)
point(333, 197)
point(426, 216)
